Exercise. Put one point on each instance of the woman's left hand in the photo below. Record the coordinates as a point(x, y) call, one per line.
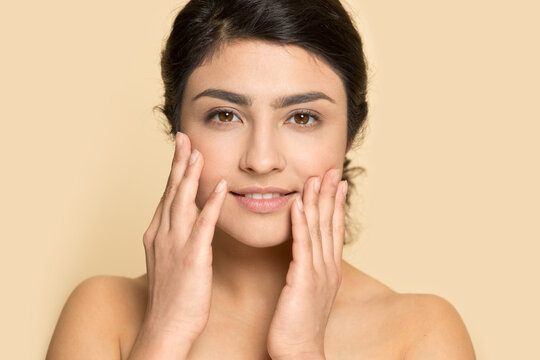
point(298, 327)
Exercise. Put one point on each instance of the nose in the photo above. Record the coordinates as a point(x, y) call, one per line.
point(263, 153)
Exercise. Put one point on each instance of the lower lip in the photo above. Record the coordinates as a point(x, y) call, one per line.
point(264, 205)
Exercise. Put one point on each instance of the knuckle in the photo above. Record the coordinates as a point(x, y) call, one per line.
point(148, 238)
point(312, 206)
point(176, 206)
point(339, 228)
point(326, 227)
point(331, 194)
point(204, 221)
point(168, 191)
point(316, 231)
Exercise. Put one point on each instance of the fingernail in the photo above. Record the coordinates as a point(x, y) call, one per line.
point(193, 156)
point(179, 139)
point(345, 188)
point(299, 203)
point(221, 185)
point(317, 184)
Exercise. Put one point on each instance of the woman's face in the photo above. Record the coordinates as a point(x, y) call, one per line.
point(254, 130)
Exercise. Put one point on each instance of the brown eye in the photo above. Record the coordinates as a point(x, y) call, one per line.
point(225, 116)
point(301, 118)
point(304, 119)
point(222, 117)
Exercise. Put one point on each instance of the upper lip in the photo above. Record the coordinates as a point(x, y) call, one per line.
point(261, 190)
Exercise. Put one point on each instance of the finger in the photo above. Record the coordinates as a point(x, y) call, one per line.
point(199, 243)
point(183, 208)
point(311, 209)
point(327, 203)
point(302, 247)
point(150, 263)
point(148, 240)
point(339, 223)
point(179, 164)
point(151, 231)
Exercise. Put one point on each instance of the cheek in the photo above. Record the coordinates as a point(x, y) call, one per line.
point(216, 166)
point(312, 157)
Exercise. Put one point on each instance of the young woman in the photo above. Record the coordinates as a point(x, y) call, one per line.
point(264, 99)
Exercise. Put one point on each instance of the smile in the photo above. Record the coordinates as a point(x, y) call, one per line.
point(263, 196)
point(263, 202)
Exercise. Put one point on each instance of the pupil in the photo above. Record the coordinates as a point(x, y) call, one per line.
point(302, 118)
point(225, 116)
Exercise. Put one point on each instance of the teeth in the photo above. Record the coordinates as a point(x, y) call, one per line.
point(263, 196)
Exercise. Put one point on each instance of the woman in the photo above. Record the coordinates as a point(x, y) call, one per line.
point(264, 100)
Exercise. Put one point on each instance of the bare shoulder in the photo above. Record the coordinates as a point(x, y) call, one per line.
point(93, 316)
point(409, 326)
point(439, 329)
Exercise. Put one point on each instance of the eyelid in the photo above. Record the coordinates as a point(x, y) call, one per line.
point(215, 111)
point(210, 114)
point(315, 115)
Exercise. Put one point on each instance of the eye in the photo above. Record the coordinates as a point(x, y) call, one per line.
point(222, 116)
point(302, 118)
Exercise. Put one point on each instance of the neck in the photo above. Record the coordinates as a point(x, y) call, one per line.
point(250, 276)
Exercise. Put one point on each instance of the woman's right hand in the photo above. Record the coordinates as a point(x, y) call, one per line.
point(178, 246)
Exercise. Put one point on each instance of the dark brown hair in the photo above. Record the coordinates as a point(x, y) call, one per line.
point(322, 27)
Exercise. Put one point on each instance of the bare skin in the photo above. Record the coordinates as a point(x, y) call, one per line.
point(245, 285)
point(368, 321)
point(365, 323)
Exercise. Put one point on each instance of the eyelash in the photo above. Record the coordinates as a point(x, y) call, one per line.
point(315, 116)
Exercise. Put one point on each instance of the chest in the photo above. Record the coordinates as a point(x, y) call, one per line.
point(347, 337)
point(336, 347)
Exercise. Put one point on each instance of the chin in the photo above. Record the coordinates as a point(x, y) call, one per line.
point(259, 233)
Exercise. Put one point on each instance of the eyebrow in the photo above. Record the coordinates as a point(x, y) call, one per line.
point(281, 102)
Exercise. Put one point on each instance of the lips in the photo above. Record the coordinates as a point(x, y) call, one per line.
point(262, 190)
point(257, 195)
point(263, 205)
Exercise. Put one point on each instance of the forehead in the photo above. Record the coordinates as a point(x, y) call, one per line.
point(265, 70)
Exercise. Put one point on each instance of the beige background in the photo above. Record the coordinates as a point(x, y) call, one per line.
point(450, 203)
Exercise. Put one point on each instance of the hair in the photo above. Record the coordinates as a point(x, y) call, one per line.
point(322, 27)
